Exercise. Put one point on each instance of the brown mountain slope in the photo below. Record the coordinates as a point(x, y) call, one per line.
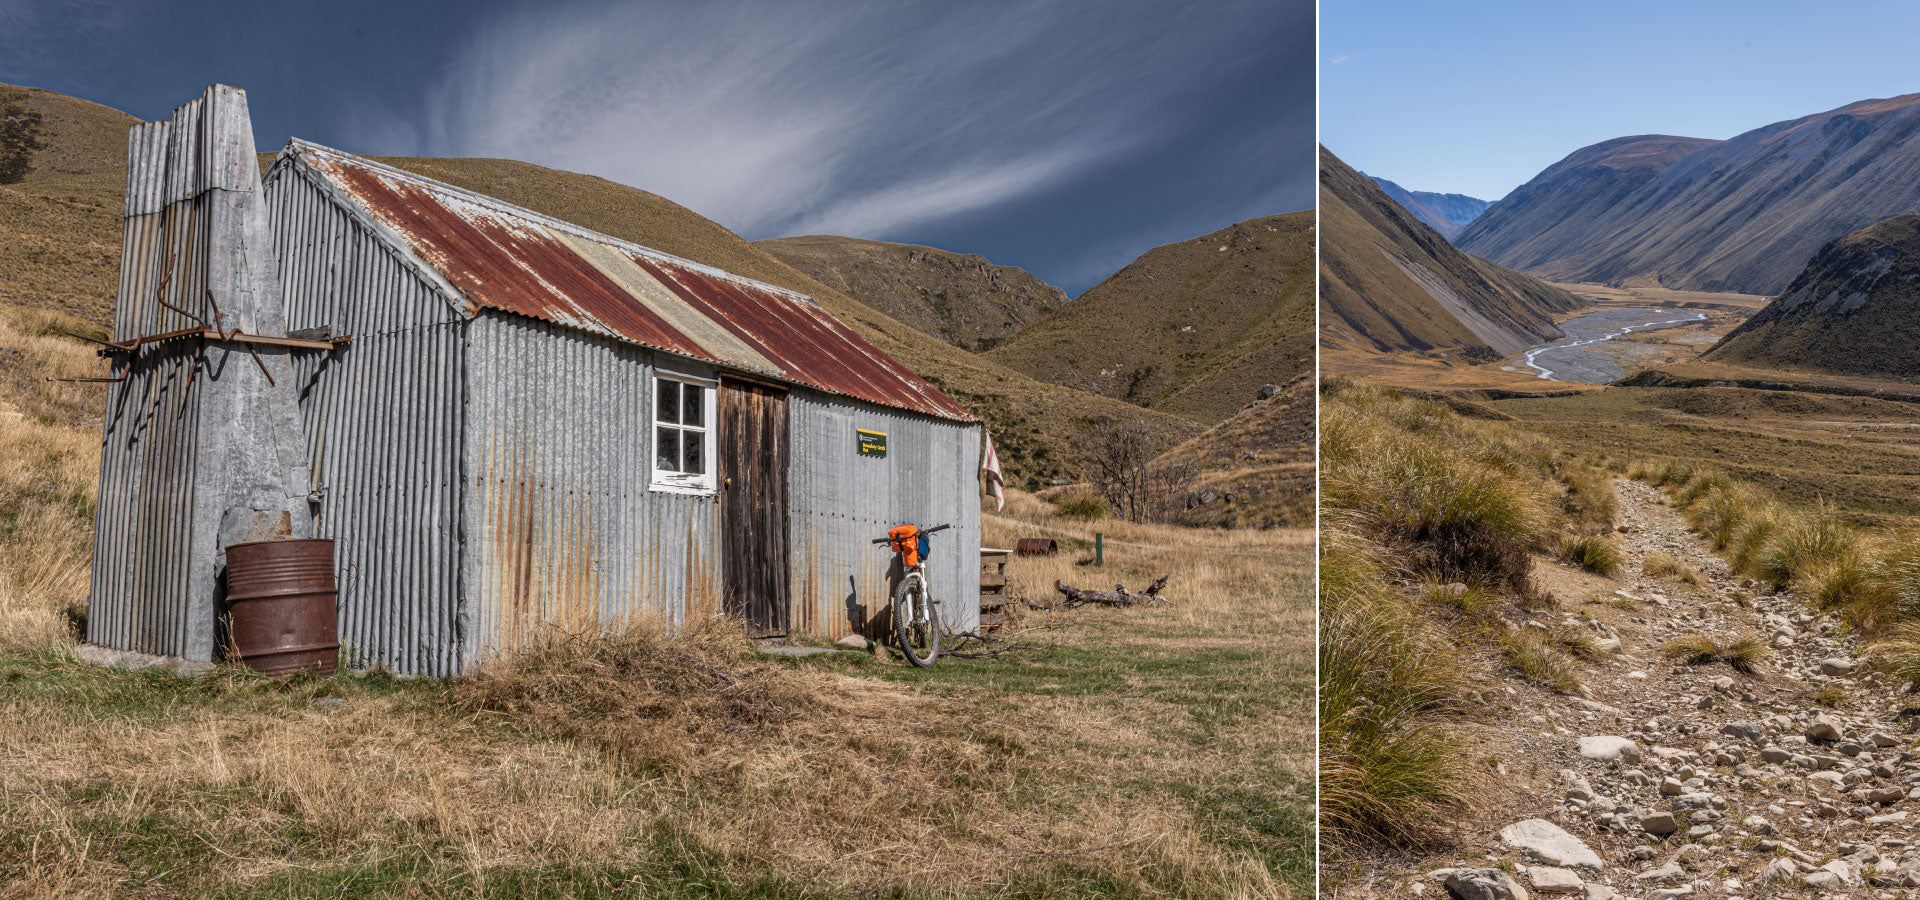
point(73, 264)
point(1742, 215)
point(1193, 328)
point(959, 298)
point(1564, 205)
point(1256, 468)
point(1390, 283)
point(1854, 310)
point(60, 225)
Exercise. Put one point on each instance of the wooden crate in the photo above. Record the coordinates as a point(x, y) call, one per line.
point(993, 587)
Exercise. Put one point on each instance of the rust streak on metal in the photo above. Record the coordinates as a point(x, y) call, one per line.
point(814, 348)
point(508, 259)
point(510, 266)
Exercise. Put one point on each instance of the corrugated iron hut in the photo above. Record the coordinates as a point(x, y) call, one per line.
point(504, 421)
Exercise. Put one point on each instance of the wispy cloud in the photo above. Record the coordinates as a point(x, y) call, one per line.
point(785, 117)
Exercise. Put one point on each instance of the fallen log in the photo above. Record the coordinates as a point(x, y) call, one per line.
point(1119, 596)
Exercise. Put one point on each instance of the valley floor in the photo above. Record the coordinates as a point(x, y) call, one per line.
point(1792, 778)
point(1511, 376)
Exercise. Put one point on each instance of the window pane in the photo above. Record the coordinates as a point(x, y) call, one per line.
point(695, 404)
point(669, 406)
point(667, 450)
point(695, 449)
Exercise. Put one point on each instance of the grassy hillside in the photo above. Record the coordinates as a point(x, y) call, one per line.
point(1193, 328)
point(60, 225)
point(959, 298)
point(1256, 468)
point(1390, 283)
point(1854, 310)
point(60, 249)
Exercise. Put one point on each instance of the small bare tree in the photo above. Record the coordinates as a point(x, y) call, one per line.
point(1121, 465)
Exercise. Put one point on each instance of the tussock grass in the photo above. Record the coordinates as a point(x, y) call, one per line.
point(1471, 601)
point(1536, 658)
point(1081, 506)
point(1591, 500)
point(1743, 652)
point(1666, 565)
point(1875, 583)
point(1803, 543)
point(1393, 762)
point(1897, 652)
point(1430, 517)
point(1466, 499)
point(1576, 642)
point(1595, 553)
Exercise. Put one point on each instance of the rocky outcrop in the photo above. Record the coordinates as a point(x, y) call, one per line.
point(1854, 310)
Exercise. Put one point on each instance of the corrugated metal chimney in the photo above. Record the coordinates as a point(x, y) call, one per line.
point(199, 253)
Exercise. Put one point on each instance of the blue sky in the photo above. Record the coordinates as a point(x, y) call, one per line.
point(1065, 138)
point(1477, 97)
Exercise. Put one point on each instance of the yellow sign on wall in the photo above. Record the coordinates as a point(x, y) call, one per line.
point(872, 443)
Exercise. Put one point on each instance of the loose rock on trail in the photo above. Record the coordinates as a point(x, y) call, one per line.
point(1669, 780)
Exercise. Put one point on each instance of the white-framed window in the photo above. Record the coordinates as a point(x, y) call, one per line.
point(683, 429)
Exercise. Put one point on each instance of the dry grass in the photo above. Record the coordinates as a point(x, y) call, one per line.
point(49, 464)
point(638, 765)
point(1744, 652)
point(1431, 511)
point(1537, 659)
point(1595, 553)
point(1665, 565)
point(1394, 766)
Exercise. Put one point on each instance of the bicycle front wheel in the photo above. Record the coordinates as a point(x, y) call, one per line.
point(916, 626)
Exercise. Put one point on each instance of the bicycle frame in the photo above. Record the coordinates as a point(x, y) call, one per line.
point(916, 612)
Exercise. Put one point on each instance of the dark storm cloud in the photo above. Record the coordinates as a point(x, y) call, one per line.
point(1066, 138)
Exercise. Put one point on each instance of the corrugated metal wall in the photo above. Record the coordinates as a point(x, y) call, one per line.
point(501, 459)
point(143, 530)
point(562, 531)
point(842, 501)
point(143, 525)
point(384, 424)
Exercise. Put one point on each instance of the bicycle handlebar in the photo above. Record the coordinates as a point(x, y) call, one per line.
point(922, 531)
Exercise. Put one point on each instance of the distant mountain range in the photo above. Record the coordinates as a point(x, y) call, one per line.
point(959, 298)
point(1445, 213)
point(1854, 310)
point(1389, 282)
point(1742, 215)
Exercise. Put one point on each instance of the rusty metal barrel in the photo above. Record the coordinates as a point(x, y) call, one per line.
point(283, 606)
point(1036, 547)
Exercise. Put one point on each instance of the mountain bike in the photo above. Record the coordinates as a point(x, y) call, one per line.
point(916, 615)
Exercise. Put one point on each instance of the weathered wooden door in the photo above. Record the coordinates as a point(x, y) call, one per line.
point(753, 505)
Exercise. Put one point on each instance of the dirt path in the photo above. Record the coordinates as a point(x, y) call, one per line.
point(1673, 780)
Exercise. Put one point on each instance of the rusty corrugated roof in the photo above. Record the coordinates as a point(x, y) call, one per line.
point(506, 258)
